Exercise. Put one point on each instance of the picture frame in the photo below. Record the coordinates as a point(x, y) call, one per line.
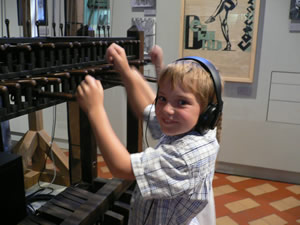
point(224, 32)
point(295, 10)
point(42, 12)
point(97, 15)
point(42, 15)
point(142, 3)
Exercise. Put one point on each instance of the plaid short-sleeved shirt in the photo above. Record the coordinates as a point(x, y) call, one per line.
point(173, 179)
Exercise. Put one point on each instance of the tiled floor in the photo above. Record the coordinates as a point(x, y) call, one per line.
point(248, 201)
point(241, 201)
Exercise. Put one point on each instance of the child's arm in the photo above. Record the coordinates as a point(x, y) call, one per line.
point(90, 98)
point(139, 93)
point(156, 55)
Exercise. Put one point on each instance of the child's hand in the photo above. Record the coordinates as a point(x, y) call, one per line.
point(116, 54)
point(156, 54)
point(90, 94)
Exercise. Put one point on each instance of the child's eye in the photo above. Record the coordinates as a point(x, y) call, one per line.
point(182, 102)
point(161, 98)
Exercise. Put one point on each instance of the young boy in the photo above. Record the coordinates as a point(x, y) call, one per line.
point(174, 180)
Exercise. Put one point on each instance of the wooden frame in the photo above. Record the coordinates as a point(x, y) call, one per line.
point(224, 32)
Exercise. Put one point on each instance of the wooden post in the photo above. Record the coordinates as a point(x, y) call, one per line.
point(26, 20)
point(74, 142)
point(135, 126)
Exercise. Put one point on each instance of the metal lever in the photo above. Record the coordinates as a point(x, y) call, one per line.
point(37, 23)
point(7, 27)
point(53, 26)
point(108, 27)
point(61, 29)
point(103, 28)
point(99, 30)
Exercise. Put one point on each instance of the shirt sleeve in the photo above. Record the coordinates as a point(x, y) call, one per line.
point(152, 122)
point(161, 172)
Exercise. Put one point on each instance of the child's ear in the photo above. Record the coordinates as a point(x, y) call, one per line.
point(208, 118)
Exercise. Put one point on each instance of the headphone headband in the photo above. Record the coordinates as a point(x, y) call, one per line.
point(210, 68)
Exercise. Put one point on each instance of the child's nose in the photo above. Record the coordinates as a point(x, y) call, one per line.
point(169, 108)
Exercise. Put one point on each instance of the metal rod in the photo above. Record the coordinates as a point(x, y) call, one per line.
point(37, 23)
point(4, 1)
point(98, 20)
point(2, 19)
point(5, 9)
point(53, 18)
point(60, 21)
point(6, 20)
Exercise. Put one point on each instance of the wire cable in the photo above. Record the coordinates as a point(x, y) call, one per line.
point(147, 124)
point(51, 143)
point(70, 146)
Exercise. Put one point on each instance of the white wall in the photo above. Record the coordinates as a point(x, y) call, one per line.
point(248, 138)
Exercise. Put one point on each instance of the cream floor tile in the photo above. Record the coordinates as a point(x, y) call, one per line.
point(226, 220)
point(294, 188)
point(104, 169)
point(261, 189)
point(100, 159)
point(242, 205)
point(269, 220)
point(224, 189)
point(235, 179)
point(285, 204)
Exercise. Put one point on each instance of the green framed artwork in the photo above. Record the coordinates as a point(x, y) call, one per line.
point(97, 16)
point(224, 32)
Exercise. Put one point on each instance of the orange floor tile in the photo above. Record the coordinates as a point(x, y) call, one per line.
point(248, 201)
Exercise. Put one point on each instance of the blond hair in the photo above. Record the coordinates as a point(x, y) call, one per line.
point(192, 77)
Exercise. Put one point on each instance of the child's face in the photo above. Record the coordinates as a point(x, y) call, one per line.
point(177, 110)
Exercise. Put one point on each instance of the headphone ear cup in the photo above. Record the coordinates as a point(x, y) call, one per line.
point(207, 119)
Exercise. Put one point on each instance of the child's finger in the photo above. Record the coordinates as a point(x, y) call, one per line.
point(98, 83)
point(79, 91)
point(111, 53)
point(89, 80)
point(119, 50)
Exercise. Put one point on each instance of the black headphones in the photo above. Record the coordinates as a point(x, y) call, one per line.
point(209, 118)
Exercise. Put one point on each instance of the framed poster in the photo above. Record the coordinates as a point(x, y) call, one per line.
point(97, 15)
point(142, 3)
point(224, 32)
point(295, 10)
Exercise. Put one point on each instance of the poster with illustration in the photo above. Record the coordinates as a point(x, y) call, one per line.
point(224, 32)
point(97, 17)
point(295, 10)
